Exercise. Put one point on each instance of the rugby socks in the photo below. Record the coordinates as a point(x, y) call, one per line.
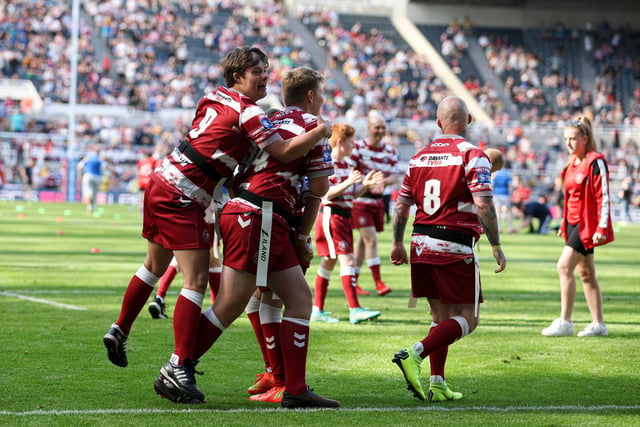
point(167, 279)
point(270, 319)
point(215, 273)
point(253, 314)
point(438, 357)
point(374, 266)
point(322, 285)
point(444, 334)
point(348, 280)
point(294, 339)
point(135, 297)
point(186, 318)
point(209, 330)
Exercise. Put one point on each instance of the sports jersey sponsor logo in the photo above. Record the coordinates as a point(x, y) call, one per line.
point(440, 144)
point(435, 159)
point(326, 154)
point(221, 97)
point(484, 176)
point(264, 246)
point(266, 123)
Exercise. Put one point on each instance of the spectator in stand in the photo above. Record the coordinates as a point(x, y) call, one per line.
point(227, 121)
point(334, 229)
point(586, 223)
point(372, 154)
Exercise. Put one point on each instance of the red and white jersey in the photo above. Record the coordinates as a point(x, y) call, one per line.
point(282, 182)
point(440, 181)
point(587, 199)
point(341, 171)
point(145, 168)
point(367, 158)
point(226, 128)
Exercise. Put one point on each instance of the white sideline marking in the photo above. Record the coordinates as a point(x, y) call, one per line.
point(570, 408)
point(42, 301)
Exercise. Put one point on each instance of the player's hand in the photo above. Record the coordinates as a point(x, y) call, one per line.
point(398, 254)
point(328, 128)
point(374, 178)
point(355, 176)
point(500, 259)
point(304, 250)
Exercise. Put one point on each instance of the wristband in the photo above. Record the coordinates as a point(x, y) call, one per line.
point(496, 247)
point(303, 237)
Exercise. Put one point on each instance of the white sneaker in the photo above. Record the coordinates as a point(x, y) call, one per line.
point(318, 315)
point(558, 328)
point(594, 330)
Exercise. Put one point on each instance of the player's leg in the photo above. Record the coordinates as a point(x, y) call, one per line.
point(323, 277)
point(292, 288)
point(270, 321)
point(135, 297)
point(157, 307)
point(357, 313)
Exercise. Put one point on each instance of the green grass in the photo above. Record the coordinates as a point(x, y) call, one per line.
point(55, 370)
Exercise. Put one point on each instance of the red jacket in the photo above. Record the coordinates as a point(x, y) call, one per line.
point(595, 206)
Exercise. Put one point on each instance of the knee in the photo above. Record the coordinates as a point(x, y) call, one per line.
point(562, 268)
point(586, 276)
point(473, 323)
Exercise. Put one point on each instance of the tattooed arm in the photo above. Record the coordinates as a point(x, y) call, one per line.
point(400, 219)
point(489, 220)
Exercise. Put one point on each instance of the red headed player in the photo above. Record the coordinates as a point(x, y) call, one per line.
point(334, 229)
point(449, 182)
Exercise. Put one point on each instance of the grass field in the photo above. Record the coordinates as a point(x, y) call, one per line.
point(58, 298)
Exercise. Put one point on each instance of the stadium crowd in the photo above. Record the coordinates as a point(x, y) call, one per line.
point(152, 55)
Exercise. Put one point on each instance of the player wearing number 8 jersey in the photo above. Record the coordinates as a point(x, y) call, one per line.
point(449, 181)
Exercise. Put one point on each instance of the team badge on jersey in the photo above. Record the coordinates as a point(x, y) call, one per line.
point(326, 153)
point(484, 176)
point(266, 123)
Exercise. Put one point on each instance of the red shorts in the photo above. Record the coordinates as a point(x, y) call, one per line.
point(340, 235)
point(240, 228)
point(173, 221)
point(368, 215)
point(450, 283)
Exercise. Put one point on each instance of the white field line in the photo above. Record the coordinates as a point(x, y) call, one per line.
point(42, 301)
point(508, 409)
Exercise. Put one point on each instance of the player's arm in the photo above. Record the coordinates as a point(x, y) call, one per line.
point(311, 199)
point(286, 150)
point(489, 221)
point(399, 224)
point(355, 176)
